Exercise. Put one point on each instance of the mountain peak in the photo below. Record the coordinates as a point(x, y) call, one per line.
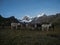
point(26, 18)
point(39, 15)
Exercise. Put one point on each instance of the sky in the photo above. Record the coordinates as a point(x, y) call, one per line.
point(21, 8)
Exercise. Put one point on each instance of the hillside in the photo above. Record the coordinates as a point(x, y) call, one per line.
point(7, 21)
point(47, 19)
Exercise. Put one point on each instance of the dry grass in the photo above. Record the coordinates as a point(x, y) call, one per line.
point(29, 37)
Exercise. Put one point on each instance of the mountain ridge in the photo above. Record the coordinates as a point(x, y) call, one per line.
point(42, 19)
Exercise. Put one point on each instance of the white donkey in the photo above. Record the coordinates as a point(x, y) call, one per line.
point(46, 26)
point(14, 25)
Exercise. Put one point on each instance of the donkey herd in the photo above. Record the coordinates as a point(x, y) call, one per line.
point(47, 26)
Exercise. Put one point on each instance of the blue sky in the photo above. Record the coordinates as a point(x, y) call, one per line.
point(20, 8)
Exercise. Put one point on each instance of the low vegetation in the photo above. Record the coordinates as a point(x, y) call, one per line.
point(29, 37)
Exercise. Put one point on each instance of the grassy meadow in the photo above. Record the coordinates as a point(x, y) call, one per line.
point(29, 37)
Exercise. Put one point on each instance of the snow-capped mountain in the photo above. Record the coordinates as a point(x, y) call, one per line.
point(26, 19)
point(30, 19)
point(39, 18)
point(39, 15)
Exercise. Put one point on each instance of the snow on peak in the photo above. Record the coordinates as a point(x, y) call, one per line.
point(29, 19)
point(39, 15)
point(26, 19)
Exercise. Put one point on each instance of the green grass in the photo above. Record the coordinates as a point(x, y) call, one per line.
point(29, 37)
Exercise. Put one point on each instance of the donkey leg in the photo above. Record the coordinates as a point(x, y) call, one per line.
point(42, 29)
point(16, 27)
point(47, 28)
point(11, 27)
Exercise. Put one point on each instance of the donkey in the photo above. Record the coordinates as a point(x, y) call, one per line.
point(47, 26)
point(14, 25)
